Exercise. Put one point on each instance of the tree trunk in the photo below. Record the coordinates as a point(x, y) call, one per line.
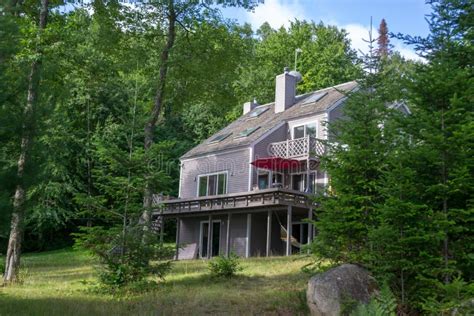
point(12, 263)
point(156, 111)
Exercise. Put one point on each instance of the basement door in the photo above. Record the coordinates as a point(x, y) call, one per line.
point(215, 238)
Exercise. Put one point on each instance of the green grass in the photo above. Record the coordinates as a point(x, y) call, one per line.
point(59, 282)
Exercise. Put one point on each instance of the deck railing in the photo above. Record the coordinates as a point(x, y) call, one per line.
point(296, 148)
point(259, 198)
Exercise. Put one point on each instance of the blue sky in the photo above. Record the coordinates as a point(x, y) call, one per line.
point(405, 16)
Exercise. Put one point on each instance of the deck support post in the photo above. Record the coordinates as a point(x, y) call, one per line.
point(227, 237)
point(178, 221)
point(269, 233)
point(307, 172)
point(209, 238)
point(289, 230)
point(162, 227)
point(249, 235)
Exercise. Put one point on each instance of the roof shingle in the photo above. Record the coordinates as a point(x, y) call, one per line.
point(306, 104)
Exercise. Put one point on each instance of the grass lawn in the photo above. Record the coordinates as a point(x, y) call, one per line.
point(57, 283)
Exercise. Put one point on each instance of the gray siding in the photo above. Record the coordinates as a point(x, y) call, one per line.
point(259, 234)
point(279, 135)
point(336, 113)
point(191, 229)
point(236, 163)
point(238, 234)
point(191, 226)
point(261, 148)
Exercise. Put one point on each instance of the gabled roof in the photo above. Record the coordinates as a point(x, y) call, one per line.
point(306, 104)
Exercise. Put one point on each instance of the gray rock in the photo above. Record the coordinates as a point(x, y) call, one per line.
point(329, 291)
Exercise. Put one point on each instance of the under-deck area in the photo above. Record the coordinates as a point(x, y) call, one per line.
point(265, 223)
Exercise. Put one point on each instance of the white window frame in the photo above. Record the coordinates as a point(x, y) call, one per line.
point(305, 121)
point(261, 172)
point(298, 173)
point(201, 235)
point(226, 172)
point(317, 181)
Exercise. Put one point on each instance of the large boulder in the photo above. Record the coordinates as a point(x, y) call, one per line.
point(329, 291)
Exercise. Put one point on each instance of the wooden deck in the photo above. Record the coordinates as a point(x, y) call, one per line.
point(234, 201)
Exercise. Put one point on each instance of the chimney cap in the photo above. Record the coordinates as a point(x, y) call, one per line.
point(286, 70)
point(297, 75)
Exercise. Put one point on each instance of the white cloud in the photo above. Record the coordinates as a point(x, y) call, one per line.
point(281, 12)
point(276, 13)
point(358, 32)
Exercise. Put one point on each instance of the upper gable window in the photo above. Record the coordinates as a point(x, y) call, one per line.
point(219, 138)
point(247, 132)
point(258, 111)
point(304, 130)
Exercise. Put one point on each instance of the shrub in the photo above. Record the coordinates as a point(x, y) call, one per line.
point(454, 298)
point(225, 267)
point(384, 304)
point(125, 260)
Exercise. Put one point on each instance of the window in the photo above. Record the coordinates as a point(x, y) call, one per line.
point(310, 129)
point(277, 179)
point(263, 180)
point(304, 130)
point(316, 182)
point(312, 182)
point(258, 111)
point(213, 184)
point(315, 98)
point(298, 182)
point(219, 138)
point(247, 132)
point(298, 132)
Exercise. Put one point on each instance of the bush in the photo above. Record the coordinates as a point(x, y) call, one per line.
point(225, 267)
point(454, 298)
point(125, 260)
point(384, 304)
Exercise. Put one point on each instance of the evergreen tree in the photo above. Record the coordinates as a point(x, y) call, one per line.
point(383, 42)
point(400, 200)
point(441, 127)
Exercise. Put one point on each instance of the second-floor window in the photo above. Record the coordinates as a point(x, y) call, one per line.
point(308, 129)
point(212, 184)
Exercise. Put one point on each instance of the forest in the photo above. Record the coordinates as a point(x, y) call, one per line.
point(99, 99)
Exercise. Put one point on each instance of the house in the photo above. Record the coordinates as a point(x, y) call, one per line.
point(247, 189)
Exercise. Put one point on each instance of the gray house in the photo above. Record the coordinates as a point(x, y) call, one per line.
point(247, 189)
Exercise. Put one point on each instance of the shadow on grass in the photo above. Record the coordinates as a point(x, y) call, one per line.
point(10, 305)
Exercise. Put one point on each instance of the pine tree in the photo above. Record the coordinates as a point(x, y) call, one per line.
point(383, 41)
point(356, 161)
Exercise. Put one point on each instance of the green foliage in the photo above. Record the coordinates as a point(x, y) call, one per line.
point(125, 259)
point(401, 187)
point(225, 267)
point(455, 297)
point(356, 163)
point(326, 59)
point(384, 304)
